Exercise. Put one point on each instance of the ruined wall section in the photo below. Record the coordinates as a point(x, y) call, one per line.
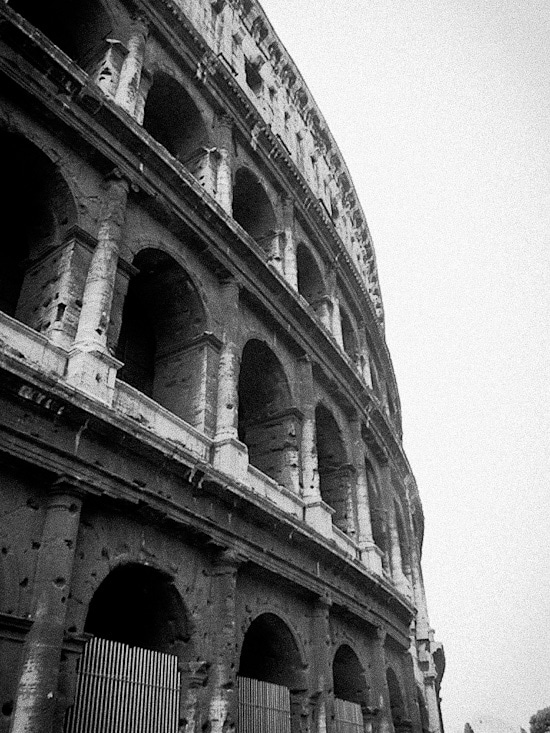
point(239, 33)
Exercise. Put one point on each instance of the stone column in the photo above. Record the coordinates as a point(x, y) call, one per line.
point(36, 698)
point(224, 178)
point(323, 309)
point(290, 265)
point(337, 322)
point(322, 698)
point(381, 695)
point(91, 367)
point(396, 560)
point(316, 512)
point(145, 84)
point(107, 67)
point(127, 92)
point(223, 701)
point(230, 455)
point(370, 554)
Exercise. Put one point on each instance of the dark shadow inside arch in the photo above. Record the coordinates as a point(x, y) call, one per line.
point(139, 606)
point(77, 27)
point(310, 281)
point(269, 653)
point(37, 211)
point(349, 677)
point(403, 542)
point(349, 337)
point(396, 698)
point(265, 424)
point(172, 117)
point(252, 209)
point(162, 316)
point(336, 476)
point(377, 511)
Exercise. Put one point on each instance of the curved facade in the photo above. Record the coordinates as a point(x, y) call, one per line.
point(208, 520)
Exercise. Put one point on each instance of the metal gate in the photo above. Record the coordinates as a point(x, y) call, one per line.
point(263, 707)
point(123, 689)
point(348, 716)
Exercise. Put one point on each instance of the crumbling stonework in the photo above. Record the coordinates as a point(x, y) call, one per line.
point(200, 430)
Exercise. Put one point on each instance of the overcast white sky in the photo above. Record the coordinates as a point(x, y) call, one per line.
point(441, 110)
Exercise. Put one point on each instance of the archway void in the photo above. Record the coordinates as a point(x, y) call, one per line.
point(252, 209)
point(37, 210)
point(139, 606)
point(376, 508)
point(396, 698)
point(269, 653)
point(350, 690)
point(310, 280)
point(349, 676)
point(172, 118)
point(402, 535)
point(335, 474)
point(77, 28)
point(265, 425)
point(349, 336)
point(162, 316)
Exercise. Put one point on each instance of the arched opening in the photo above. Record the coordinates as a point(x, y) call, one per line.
point(173, 119)
point(350, 691)
point(162, 317)
point(377, 512)
point(129, 669)
point(336, 476)
point(267, 426)
point(252, 209)
point(349, 337)
point(423, 710)
point(77, 28)
point(139, 606)
point(37, 211)
point(271, 676)
point(310, 280)
point(403, 543)
point(397, 707)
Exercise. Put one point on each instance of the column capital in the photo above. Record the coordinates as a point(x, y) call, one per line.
point(68, 486)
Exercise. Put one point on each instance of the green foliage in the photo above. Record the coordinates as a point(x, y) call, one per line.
point(540, 721)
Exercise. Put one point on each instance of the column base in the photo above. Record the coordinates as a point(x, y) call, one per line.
point(319, 516)
point(231, 457)
point(371, 557)
point(94, 373)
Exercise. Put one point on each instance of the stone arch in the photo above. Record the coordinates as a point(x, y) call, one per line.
point(267, 423)
point(397, 705)
point(253, 210)
point(349, 335)
point(173, 118)
point(423, 710)
point(377, 511)
point(271, 652)
point(162, 319)
point(271, 665)
point(336, 475)
point(403, 538)
point(77, 28)
point(38, 209)
point(139, 605)
point(311, 283)
point(349, 681)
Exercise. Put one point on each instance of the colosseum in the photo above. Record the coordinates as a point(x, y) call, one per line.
point(208, 522)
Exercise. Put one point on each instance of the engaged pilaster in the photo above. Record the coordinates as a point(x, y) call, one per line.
point(37, 692)
point(230, 455)
point(127, 93)
point(91, 368)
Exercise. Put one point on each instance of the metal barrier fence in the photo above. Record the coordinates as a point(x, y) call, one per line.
point(263, 707)
point(123, 689)
point(348, 716)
